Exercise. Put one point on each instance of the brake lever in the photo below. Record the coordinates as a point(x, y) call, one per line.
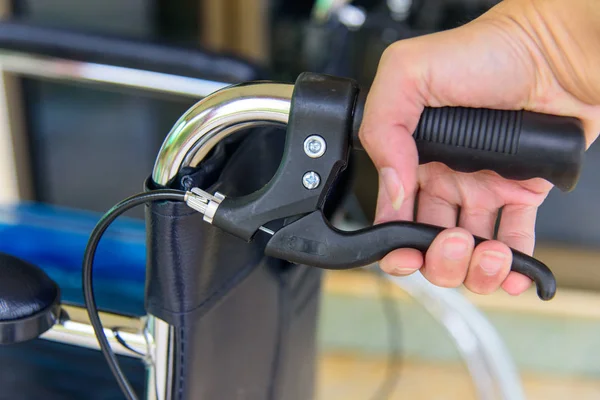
point(313, 241)
point(321, 130)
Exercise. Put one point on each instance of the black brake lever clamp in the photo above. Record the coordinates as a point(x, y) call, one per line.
point(316, 151)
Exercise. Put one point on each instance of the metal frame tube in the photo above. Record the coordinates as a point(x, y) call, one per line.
point(74, 328)
point(217, 116)
point(68, 70)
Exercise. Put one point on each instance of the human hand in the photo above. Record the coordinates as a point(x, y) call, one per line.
point(507, 59)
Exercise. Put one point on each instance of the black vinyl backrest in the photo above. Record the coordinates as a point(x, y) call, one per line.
point(131, 53)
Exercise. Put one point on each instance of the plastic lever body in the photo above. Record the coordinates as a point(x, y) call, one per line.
point(312, 240)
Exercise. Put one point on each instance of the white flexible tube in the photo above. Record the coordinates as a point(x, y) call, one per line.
point(494, 373)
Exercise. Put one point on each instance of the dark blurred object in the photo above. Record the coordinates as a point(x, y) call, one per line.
point(41, 369)
point(92, 147)
point(237, 26)
point(573, 219)
point(439, 15)
point(175, 21)
point(336, 39)
point(145, 55)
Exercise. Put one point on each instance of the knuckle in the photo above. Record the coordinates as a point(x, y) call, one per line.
point(520, 236)
point(446, 276)
point(478, 212)
point(367, 137)
point(391, 52)
point(447, 281)
point(397, 57)
point(438, 201)
point(482, 288)
point(523, 209)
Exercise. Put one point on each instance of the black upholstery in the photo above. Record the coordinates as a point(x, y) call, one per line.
point(25, 289)
point(245, 323)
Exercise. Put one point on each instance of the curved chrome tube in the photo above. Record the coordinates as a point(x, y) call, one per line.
point(217, 116)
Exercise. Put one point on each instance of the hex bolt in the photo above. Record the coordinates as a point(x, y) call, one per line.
point(311, 180)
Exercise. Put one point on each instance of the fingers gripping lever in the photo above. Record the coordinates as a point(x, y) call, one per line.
point(324, 115)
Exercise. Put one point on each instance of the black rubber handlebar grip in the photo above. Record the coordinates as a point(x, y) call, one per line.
point(517, 145)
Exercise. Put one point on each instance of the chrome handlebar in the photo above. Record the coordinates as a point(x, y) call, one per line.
point(217, 116)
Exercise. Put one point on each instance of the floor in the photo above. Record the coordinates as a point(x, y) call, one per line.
point(344, 377)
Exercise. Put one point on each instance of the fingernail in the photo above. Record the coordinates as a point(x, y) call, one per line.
point(393, 186)
point(491, 262)
point(402, 271)
point(455, 246)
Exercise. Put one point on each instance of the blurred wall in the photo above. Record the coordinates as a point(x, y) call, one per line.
point(9, 191)
point(9, 146)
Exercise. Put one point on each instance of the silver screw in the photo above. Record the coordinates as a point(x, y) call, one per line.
point(311, 180)
point(315, 146)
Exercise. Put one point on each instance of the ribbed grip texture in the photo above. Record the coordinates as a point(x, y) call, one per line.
point(517, 145)
point(474, 128)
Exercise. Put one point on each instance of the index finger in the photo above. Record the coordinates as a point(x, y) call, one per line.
point(391, 114)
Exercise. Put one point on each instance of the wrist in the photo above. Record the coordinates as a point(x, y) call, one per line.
point(561, 37)
point(558, 41)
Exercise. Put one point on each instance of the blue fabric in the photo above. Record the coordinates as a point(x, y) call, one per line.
point(54, 238)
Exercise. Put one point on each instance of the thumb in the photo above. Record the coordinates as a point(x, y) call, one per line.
point(392, 111)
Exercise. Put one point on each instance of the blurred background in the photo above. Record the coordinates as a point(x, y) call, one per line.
point(80, 129)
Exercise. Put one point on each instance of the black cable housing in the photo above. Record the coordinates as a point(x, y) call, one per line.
point(87, 279)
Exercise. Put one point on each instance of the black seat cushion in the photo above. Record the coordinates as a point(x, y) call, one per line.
point(25, 289)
